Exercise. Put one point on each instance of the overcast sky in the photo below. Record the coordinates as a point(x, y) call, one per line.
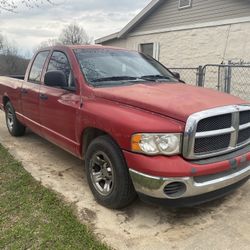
point(29, 27)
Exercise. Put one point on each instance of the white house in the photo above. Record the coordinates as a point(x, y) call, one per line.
point(189, 32)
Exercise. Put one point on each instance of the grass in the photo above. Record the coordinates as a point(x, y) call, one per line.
point(33, 217)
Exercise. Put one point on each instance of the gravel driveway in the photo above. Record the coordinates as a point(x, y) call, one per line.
point(223, 224)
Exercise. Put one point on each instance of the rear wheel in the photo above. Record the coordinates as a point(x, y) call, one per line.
point(14, 126)
point(108, 175)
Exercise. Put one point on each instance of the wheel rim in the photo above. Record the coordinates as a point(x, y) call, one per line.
point(102, 173)
point(10, 118)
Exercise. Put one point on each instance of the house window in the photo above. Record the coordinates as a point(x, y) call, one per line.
point(185, 4)
point(151, 49)
point(147, 48)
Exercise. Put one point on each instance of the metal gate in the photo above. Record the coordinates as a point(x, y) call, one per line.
point(230, 78)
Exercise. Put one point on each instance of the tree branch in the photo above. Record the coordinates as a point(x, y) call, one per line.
point(12, 6)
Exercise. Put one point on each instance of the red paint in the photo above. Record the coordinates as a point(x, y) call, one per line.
point(118, 111)
point(175, 166)
point(175, 100)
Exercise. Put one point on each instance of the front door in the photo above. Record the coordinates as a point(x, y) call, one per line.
point(59, 107)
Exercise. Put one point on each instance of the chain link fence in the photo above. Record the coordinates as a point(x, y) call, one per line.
point(188, 75)
point(240, 82)
point(232, 79)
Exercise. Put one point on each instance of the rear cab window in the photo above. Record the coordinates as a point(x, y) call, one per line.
point(37, 67)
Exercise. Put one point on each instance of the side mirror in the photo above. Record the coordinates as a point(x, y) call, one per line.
point(177, 75)
point(55, 78)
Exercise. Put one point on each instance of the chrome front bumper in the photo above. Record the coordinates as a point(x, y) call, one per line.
point(154, 186)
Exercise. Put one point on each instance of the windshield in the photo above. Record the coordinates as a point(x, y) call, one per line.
point(103, 67)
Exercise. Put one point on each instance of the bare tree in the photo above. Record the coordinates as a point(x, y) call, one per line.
point(10, 61)
point(74, 34)
point(48, 43)
point(71, 34)
point(13, 5)
point(7, 47)
point(1, 43)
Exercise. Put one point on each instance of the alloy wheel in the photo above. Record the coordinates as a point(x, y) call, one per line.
point(102, 173)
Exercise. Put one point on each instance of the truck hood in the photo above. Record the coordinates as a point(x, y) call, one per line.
point(174, 100)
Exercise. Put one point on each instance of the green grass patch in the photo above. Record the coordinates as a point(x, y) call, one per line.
point(33, 217)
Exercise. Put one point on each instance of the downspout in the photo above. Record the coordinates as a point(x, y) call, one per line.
point(226, 45)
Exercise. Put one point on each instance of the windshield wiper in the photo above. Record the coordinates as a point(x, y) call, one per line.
point(114, 78)
point(113, 84)
point(125, 80)
point(155, 77)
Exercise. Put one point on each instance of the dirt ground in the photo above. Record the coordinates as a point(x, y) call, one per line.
point(222, 224)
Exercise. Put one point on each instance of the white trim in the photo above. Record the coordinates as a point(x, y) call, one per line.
point(194, 26)
point(131, 24)
point(138, 17)
point(106, 38)
point(186, 6)
point(138, 47)
point(141, 44)
point(156, 51)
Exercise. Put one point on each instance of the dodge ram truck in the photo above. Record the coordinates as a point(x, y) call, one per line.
point(138, 128)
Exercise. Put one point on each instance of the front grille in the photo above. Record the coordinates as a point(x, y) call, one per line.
point(216, 131)
point(210, 144)
point(215, 123)
point(244, 117)
point(243, 136)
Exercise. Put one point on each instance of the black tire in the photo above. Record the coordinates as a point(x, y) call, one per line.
point(121, 190)
point(14, 126)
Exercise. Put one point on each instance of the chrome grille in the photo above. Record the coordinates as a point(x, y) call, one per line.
point(210, 144)
point(244, 135)
point(214, 123)
point(216, 131)
point(244, 117)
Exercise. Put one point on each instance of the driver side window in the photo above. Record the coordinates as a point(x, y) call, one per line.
point(59, 61)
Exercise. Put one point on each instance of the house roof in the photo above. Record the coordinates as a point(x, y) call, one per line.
point(145, 12)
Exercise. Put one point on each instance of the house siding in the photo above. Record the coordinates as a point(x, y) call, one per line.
point(195, 47)
point(121, 43)
point(211, 31)
point(167, 14)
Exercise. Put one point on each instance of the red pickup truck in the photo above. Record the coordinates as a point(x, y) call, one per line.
point(138, 128)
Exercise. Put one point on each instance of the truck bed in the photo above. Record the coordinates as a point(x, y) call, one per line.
point(7, 85)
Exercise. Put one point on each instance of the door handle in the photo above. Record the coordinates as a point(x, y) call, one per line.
point(24, 91)
point(43, 97)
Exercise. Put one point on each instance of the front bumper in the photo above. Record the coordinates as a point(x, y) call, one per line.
point(182, 187)
point(194, 200)
point(175, 180)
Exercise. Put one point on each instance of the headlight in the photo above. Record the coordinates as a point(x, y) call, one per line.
point(156, 144)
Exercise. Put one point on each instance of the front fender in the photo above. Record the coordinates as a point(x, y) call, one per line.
point(122, 121)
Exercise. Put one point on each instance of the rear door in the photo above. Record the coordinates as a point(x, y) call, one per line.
point(30, 91)
point(59, 107)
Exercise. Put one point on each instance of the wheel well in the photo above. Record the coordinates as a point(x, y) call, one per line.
point(5, 100)
point(89, 135)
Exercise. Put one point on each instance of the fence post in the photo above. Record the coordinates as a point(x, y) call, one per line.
point(228, 78)
point(200, 76)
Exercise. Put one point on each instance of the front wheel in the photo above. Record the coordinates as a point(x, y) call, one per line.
point(108, 175)
point(14, 126)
